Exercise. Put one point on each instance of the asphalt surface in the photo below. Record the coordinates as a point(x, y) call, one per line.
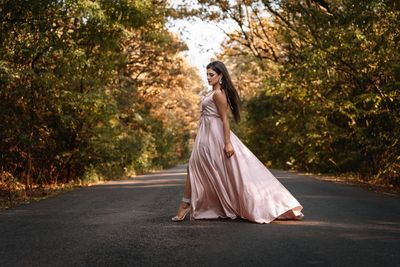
point(127, 223)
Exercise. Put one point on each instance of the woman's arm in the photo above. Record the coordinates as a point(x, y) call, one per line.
point(223, 109)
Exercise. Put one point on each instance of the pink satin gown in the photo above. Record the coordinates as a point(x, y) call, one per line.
point(239, 186)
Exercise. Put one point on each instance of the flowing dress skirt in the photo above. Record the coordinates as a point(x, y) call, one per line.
point(239, 186)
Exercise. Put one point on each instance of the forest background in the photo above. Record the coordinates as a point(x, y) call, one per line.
point(94, 89)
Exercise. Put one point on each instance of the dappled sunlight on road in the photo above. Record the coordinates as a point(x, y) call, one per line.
point(176, 178)
point(158, 175)
point(126, 186)
point(374, 225)
point(375, 230)
point(142, 181)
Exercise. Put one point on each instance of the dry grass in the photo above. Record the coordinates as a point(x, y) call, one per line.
point(15, 195)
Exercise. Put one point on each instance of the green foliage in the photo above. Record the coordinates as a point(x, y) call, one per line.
point(62, 116)
point(335, 106)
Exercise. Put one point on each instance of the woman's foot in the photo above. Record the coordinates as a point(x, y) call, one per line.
point(184, 209)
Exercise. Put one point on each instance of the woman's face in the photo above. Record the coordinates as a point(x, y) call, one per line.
point(213, 77)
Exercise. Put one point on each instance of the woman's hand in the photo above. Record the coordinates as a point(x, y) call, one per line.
point(229, 150)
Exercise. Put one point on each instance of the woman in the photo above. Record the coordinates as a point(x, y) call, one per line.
point(225, 179)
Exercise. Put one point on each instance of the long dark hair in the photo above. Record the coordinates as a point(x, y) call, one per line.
point(227, 86)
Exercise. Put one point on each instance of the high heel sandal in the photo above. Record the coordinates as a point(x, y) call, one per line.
point(187, 210)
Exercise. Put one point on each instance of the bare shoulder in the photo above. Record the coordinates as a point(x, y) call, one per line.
point(221, 102)
point(219, 97)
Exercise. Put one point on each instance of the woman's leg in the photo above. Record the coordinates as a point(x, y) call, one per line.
point(185, 203)
point(188, 189)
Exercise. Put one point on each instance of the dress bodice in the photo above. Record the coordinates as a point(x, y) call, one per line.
point(208, 107)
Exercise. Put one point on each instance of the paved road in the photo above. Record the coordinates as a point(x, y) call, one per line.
point(127, 223)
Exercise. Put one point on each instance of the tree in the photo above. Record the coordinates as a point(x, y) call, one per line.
point(330, 73)
point(70, 107)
